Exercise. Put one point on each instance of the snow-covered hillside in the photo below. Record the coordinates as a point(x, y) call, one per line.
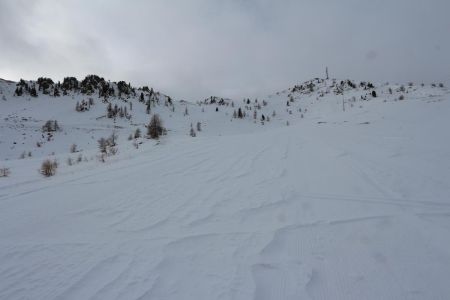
point(344, 193)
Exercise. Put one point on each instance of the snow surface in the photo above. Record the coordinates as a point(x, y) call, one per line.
point(350, 204)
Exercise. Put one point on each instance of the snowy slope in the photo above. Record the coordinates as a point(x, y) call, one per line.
point(339, 204)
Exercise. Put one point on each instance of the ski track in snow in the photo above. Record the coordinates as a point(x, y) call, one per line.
point(195, 234)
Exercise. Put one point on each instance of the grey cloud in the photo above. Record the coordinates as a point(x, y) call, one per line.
point(192, 49)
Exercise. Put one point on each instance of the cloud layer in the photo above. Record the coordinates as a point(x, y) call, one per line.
point(237, 48)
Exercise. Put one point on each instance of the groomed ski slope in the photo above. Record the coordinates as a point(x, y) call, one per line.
point(337, 210)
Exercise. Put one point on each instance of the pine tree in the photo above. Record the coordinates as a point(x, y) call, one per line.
point(192, 132)
point(109, 111)
point(155, 127)
point(102, 145)
point(33, 92)
point(19, 91)
point(137, 133)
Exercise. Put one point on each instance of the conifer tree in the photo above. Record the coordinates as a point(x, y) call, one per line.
point(155, 127)
point(192, 132)
point(137, 133)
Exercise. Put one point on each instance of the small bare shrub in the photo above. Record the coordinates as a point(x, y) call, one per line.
point(402, 97)
point(107, 146)
point(4, 172)
point(73, 148)
point(112, 151)
point(48, 167)
point(51, 126)
point(112, 140)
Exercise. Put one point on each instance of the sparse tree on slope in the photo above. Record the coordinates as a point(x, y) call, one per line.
point(155, 127)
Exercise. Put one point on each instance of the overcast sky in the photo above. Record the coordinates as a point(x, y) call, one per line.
point(195, 48)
